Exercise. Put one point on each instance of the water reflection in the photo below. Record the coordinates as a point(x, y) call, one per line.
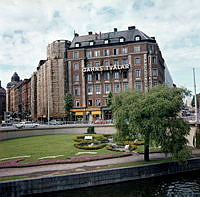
point(181, 185)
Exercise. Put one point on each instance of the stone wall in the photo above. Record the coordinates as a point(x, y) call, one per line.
point(73, 129)
point(86, 179)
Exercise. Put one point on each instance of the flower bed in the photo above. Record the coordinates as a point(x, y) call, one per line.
point(85, 158)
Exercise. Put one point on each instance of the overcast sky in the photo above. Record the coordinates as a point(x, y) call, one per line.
point(27, 26)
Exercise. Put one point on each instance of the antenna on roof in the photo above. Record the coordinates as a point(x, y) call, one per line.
point(74, 33)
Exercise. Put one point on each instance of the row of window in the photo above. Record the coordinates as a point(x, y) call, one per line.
point(116, 75)
point(137, 60)
point(107, 41)
point(115, 51)
point(107, 88)
point(90, 102)
point(98, 89)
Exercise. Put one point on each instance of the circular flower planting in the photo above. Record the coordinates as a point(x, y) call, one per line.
point(90, 142)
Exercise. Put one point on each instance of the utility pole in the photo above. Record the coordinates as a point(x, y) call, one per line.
point(48, 111)
point(195, 97)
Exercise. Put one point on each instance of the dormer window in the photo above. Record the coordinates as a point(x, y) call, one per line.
point(106, 41)
point(137, 38)
point(77, 44)
point(91, 43)
point(121, 40)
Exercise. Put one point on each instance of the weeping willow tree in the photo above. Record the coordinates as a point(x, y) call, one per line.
point(154, 116)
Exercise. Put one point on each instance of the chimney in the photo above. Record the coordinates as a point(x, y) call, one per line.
point(115, 29)
point(76, 35)
point(90, 33)
point(131, 27)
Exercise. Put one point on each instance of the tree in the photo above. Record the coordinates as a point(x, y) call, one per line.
point(154, 116)
point(68, 103)
point(109, 99)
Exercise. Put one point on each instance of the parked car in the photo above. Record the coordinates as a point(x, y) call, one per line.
point(26, 125)
point(6, 124)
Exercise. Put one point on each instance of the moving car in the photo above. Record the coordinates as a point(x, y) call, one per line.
point(26, 125)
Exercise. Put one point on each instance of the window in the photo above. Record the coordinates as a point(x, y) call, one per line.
point(154, 60)
point(89, 64)
point(116, 75)
point(77, 90)
point(106, 63)
point(77, 103)
point(125, 75)
point(77, 44)
point(137, 38)
point(121, 40)
point(107, 88)
point(116, 62)
point(137, 49)
point(98, 76)
point(91, 43)
point(138, 85)
point(89, 77)
point(76, 55)
point(138, 60)
point(107, 76)
point(98, 102)
point(98, 89)
point(76, 66)
point(137, 73)
point(88, 54)
point(90, 90)
point(125, 86)
point(106, 52)
point(150, 48)
point(90, 102)
point(155, 83)
point(124, 50)
point(76, 77)
point(97, 53)
point(115, 51)
point(154, 72)
point(116, 88)
point(125, 61)
point(106, 41)
point(97, 64)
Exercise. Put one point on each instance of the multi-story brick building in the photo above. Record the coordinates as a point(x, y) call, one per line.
point(19, 97)
point(90, 67)
point(111, 62)
point(2, 102)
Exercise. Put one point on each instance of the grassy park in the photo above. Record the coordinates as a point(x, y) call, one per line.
point(43, 146)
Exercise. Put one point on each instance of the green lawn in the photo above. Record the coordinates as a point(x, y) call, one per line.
point(41, 146)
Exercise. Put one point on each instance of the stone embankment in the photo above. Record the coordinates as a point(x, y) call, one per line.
point(86, 179)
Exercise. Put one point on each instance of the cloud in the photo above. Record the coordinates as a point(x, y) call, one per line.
point(28, 26)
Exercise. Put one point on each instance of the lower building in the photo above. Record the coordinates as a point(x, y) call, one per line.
point(2, 102)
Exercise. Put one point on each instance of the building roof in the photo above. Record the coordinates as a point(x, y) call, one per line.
point(14, 80)
point(112, 37)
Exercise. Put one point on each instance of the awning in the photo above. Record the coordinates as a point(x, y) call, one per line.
point(79, 113)
point(96, 112)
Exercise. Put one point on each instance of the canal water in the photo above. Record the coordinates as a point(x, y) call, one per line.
point(179, 185)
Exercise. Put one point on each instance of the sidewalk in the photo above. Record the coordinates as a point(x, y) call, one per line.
point(61, 167)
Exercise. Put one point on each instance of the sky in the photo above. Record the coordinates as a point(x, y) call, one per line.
point(28, 26)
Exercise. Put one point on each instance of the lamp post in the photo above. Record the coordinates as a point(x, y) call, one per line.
point(195, 97)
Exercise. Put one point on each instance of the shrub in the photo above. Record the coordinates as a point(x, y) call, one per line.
point(90, 130)
point(85, 147)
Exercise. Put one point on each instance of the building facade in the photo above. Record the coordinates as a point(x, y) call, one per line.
point(18, 97)
point(111, 62)
point(2, 102)
point(51, 82)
